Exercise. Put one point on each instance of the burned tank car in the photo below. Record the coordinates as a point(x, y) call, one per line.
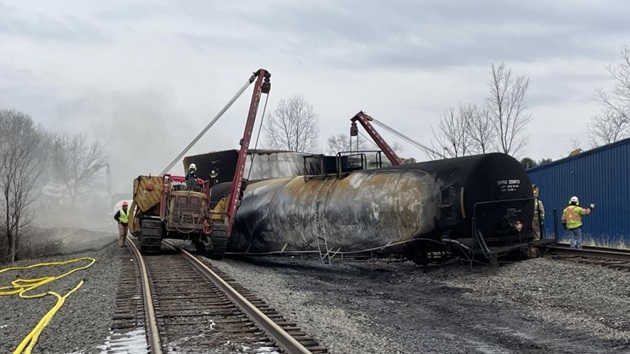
point(407, 209)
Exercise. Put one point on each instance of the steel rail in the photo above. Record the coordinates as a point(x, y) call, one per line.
point(283, 339)
point(153, 334)
point(592, 252)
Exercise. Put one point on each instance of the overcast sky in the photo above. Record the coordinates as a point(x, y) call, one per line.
point(154, 73)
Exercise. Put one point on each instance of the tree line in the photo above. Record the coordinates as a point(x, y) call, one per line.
point(32, 157)
point(294, 126)
point(498, 124)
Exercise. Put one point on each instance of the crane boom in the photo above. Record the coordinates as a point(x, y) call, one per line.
point(263, 85)
point(365, 120)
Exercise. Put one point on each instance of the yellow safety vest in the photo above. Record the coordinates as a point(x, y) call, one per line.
point(123, 217)
point(572, 215)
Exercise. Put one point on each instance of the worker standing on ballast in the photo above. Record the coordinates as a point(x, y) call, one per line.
point(122, 216)
point(539, 214)
point(572, 221)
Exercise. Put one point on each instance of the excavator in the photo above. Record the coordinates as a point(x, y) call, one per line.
point(170, 207)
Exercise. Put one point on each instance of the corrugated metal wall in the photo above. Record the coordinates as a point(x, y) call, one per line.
point(599, 176)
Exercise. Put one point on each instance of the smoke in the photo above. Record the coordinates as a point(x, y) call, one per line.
point(142, 131)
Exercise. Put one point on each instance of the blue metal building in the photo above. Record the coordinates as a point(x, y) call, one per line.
point(599, 176)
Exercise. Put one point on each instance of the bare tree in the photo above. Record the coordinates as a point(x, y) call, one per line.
point(454, 134)
point(608, 127)
point(75, 162)
point(575, 144)
point(614, 122)
point(482, 131)
point(343, 142)
point(21, 162)
point(506, 108)
point(293, 126)
point(397, 147)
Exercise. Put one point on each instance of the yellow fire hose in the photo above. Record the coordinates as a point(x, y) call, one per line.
point(22, 286)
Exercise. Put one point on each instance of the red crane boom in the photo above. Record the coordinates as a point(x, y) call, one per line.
point(365, 120)
point(263, 85)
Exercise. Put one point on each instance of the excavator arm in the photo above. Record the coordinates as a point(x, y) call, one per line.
point(263, 85)
point(365, 120)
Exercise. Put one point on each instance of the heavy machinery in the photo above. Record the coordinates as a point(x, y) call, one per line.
point(365, 120)
point(168, 206)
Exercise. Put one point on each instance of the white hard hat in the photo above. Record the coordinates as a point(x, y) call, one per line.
point(192, 166)
point(574, 199)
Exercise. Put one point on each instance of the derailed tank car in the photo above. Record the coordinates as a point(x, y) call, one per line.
point(478, 205)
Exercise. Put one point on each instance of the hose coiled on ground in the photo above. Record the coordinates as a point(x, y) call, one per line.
point(21, 286)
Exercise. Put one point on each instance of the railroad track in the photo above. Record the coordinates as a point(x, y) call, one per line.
point(607, 257)
point(174, 302)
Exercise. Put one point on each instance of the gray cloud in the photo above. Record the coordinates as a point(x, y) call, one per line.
point(398, 59)
point(407, 34)
point(40, 27)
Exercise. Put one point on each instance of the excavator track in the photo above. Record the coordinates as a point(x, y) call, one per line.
point(219, 238)
point(150, 235)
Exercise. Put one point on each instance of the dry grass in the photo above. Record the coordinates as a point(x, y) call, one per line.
point(606, 242)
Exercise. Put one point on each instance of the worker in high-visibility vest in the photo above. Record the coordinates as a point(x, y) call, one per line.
point(539, 214)
point(122, 216)
point(572, 221)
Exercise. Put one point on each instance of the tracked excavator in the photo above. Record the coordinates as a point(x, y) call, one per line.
point(170, 207)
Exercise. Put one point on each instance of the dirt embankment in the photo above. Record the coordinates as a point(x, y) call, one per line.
point(56, 232)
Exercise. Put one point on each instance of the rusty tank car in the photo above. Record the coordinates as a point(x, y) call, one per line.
point(479, 205)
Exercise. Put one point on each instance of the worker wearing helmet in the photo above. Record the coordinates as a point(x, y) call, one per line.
point(191, 177)
point(539, 214)
point(122, 216)
point(572, 221)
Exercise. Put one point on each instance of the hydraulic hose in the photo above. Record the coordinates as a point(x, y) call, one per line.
point(21, 286)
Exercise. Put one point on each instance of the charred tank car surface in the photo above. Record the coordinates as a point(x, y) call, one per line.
point(480, 204)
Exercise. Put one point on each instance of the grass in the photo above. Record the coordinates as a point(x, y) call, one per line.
point(618, 242)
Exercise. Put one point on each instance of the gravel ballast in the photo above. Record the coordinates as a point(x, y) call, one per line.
point(82, 323)
point(374, 306)
point(539, 305)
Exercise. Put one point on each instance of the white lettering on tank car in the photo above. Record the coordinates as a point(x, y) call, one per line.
point(510, 185)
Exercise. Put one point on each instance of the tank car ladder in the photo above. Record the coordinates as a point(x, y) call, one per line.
point(326, 257)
